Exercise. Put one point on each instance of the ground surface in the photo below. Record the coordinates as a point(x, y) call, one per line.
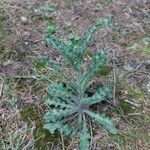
point(22, 27)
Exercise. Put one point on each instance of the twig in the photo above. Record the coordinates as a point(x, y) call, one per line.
point(134, 70)
point(134, 114)
point(133, 103)
point(25, 77)
point(1, 87)
point(91, 134)
point(114, 79)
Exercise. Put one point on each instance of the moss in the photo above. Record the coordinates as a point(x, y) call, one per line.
point(89, 53)
point(131, 136)
point(29, 112)
point(124, 107)
point(144, 51)
point(136, 92)
point(115, 33)
point(8, 53)
point(44, 137)
point(3, 15)
point(142, 48)
point(103, 71)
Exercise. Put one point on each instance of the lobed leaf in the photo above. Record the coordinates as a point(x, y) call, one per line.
point(64, 50)
point(52, 127)
point(104, 121)
point(48, 62)
point(84, 138)
point(88, 37)
point(101, 95)
point(57, 103)
point(57, 114)
point(89, 34)
point(58, 90)
point(63, 128)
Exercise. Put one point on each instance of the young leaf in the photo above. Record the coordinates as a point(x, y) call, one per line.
point(73, 40)
point(51, 30)
point(88, 37)
point(104, 121)
point(84, 138)
point(103, 23)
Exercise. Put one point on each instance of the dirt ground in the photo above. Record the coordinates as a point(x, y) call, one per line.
point(22, 29)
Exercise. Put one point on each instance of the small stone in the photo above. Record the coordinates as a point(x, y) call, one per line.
point(24, 19)
point(111, 146)
point(148, 87)
point(26, 43)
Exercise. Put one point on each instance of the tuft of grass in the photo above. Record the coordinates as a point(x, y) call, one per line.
point(20, 139)
point(142, 48)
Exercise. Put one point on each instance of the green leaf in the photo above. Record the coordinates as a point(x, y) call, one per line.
point(103, 23)
point(48, 62)
point(66, 129)
point(64, 50)
point(63, 93)
point(97, 61)
point(89, 34)
point(58, 90)
point(57, 114)
point(57, 69)
point(101, 95)
point(104, 121)
point(63, 128)
point(51, 30)
point(68, 104)
point(73, 38)
point(88, 37)
point(84, 138)
point(52, 127)
point(57, 103)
